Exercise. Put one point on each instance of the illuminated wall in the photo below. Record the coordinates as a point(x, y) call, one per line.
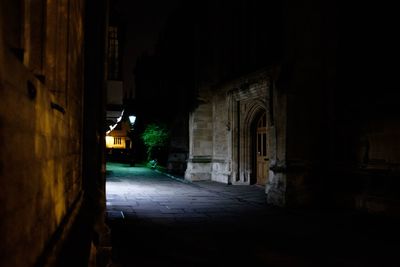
point(116, 142)
point(41, 87)
point(117, 138)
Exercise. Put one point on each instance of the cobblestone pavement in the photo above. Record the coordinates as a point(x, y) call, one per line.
point(157, 220)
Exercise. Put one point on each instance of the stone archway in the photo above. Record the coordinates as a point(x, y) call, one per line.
point(260, 150)
point(247, 105)
point(221, 132)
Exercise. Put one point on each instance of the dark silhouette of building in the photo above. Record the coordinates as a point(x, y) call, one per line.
point(320, 74)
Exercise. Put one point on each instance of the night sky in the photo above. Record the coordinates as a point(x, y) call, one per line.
point(143, 21)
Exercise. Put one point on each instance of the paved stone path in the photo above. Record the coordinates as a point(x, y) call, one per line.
point(160, 221)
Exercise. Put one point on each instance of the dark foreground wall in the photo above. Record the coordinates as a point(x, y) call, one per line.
point(342, 120)
point(44, 191)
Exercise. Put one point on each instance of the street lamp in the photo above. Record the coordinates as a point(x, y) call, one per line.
point(132, 119)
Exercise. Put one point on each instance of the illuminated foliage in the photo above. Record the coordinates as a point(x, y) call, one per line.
point(155, 137)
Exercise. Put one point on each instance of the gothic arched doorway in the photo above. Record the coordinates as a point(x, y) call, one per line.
point(261, 160)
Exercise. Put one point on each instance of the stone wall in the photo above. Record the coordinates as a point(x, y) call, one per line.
point(342, 116)
point(222, 149)
point(200, 141)
point(379, 172)
point(41, 86)
point(179, 146)
point(277, 177)
point(221, 160)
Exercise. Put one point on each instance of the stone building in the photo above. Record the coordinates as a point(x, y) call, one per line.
point(223, 132)
point(51, 120)
point(233, 135)
point(275, 103)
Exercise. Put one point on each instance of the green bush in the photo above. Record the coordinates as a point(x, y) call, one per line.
point(155, 137)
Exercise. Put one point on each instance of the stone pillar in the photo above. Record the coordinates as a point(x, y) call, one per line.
point(178, 146)
point(200, 143)
point(277, 177)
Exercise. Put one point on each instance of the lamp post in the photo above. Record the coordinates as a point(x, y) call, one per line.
point(132, 119)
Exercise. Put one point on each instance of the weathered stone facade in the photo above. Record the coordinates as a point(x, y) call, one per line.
point(222, 134)
point(41, 119)
point(331, 131)
point(321, 125)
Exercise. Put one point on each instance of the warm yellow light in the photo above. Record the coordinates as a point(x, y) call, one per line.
point(109, 141)
point(115, 142)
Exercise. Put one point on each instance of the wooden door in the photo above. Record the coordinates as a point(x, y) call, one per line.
point(261, 150)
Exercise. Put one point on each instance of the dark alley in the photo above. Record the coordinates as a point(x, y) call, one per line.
point(157, 220)
point(199, 133)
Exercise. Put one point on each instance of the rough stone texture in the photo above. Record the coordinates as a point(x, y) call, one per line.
point(41, 126)
point(277, 104)
point(200, 142)
point(234, 108)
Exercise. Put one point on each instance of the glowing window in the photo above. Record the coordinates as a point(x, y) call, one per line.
point(117, 141)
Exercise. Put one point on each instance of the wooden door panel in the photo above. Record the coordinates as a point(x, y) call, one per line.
point(262, 151)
